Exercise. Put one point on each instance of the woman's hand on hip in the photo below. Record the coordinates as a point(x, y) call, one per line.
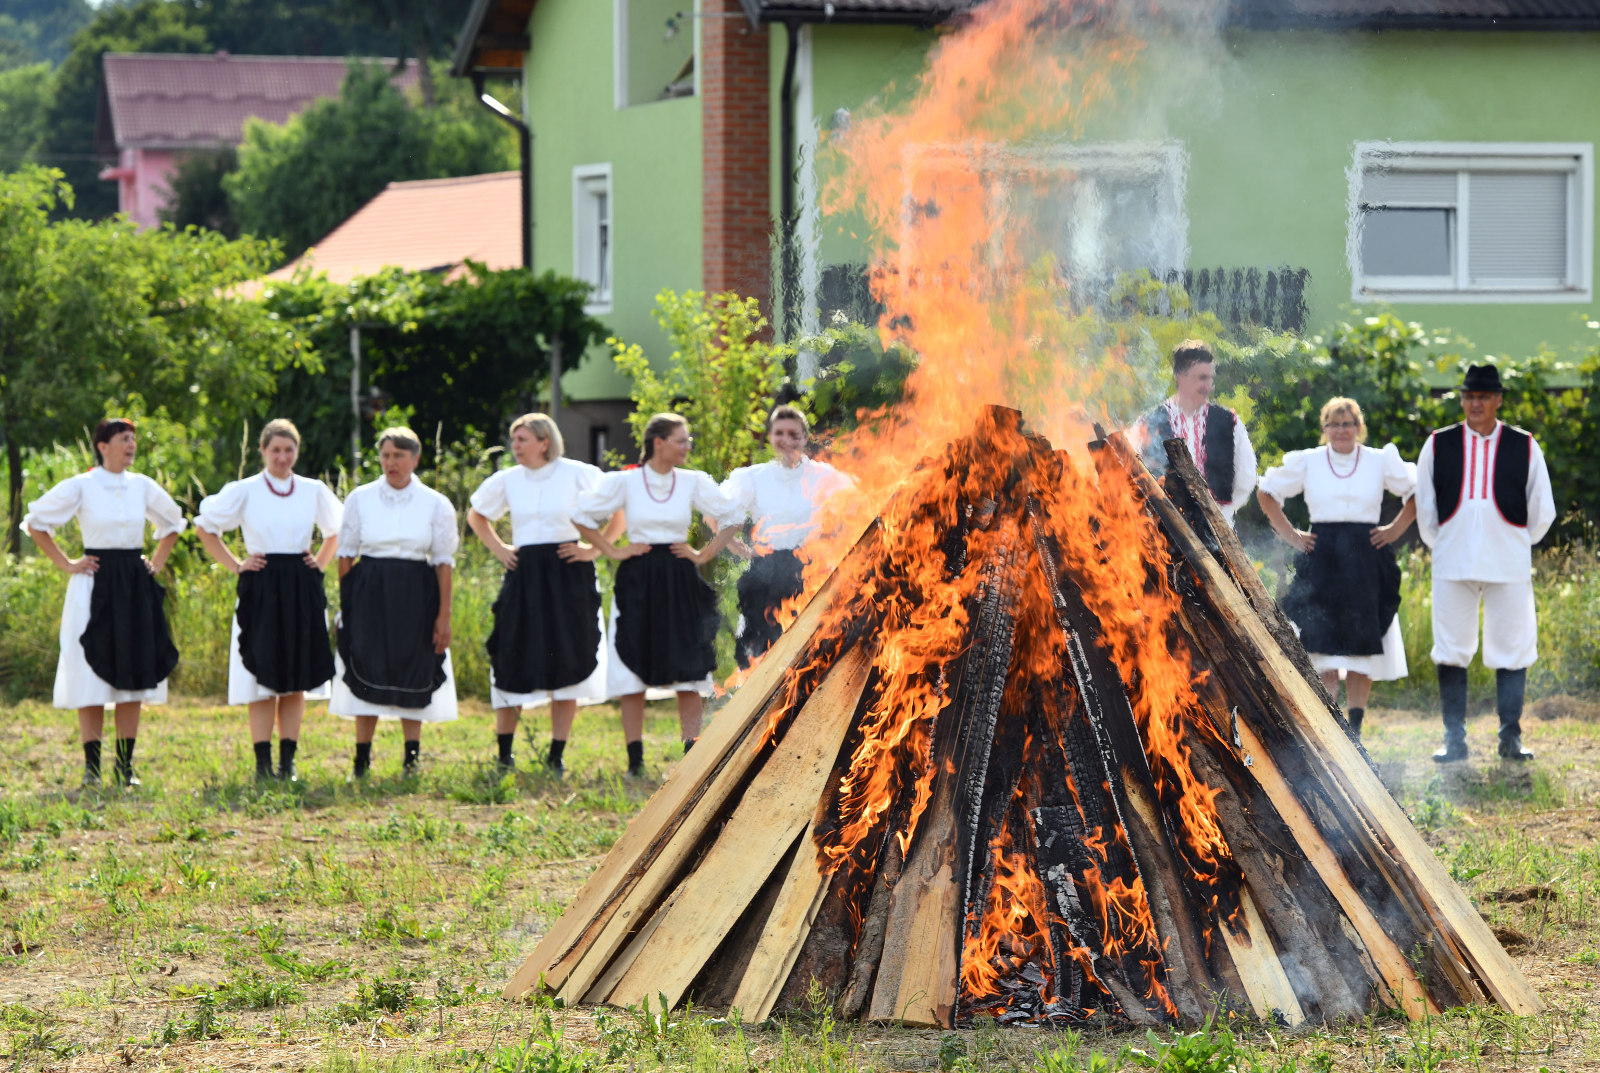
point(310, 560)
point(575, 552)
point(1301, 540)
point(87, 564)
point(629, 551)
point(506, 554)
point(1385, 535)
point(685, 551)
point(251, 563)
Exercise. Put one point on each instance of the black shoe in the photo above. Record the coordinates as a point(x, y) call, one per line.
point(287, 773)
point(636, 771)
point(128, 780)
point(555, 769)
point(1511, 749)
point(1454, 749)
point(91, 778)
point(264, 774)
point(412, 769)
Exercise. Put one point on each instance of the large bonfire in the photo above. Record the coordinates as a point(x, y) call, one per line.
point(1036, 745)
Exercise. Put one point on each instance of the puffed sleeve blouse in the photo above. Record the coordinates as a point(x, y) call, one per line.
point(111, 509)
point(414, 522)
point(782, 502)
point(540, 501)
point(273, 521)
point(1342, 488)
point(660, 506)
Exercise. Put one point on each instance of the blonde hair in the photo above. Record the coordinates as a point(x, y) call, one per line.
point(659, 428)
point(279, 426)
point(786, 412)
point(545, 429)
point(1341, 405)
point(402, 438)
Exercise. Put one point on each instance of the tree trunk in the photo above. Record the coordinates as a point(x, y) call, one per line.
point(419, 46)
point(13, 491)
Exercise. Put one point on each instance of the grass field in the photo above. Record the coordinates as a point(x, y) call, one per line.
point(202, 923)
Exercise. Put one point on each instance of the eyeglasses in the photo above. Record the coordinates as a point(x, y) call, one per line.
point(1340, 426)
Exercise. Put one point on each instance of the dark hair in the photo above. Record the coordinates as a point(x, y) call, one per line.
point(105, 430)
point(788, 413)
point(659, 428)
point(1190, 352)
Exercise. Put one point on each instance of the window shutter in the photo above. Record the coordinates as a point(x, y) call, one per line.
point(1402, 188)
point(1517, 228)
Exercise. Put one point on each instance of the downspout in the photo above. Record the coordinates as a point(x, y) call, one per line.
point(525, 147)
point(788, 259)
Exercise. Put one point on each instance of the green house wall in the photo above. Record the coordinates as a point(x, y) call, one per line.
point(654, 153)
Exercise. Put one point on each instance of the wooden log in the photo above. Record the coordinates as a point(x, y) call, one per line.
point(784, 935)
point(1260, 970)
point(1474, 962)
point(776, 808)
point(718, 983)
point(564, 946)
point(918, 975)
point(869, 947)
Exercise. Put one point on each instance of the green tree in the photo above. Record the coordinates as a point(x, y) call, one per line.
point(195, 197)
point(43, 27)
point(427, 29)
point(69, 141)
point(459, 354)
point(24, 99)
point(94, 314)
point(298, 181)
point(289, 28)
point(722, 375)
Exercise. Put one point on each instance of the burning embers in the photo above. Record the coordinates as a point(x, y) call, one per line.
point(1040, 750)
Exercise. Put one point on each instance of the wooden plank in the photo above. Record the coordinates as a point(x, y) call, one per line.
point(917, 975)
point(803, 890)
point(563, 947)
point(1260, 971)
point(777, 806)
point(1467, 949)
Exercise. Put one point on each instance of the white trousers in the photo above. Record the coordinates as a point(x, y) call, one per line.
point(1510, 628)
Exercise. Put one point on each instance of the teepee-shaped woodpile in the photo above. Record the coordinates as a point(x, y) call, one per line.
point(1041, 748)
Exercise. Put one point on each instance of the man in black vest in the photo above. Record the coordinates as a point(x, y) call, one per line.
point(1483, 501)
point(1216, 437)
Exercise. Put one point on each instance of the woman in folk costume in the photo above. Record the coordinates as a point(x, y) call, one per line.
point(547, 645)
point(781, 498)
point(663, 614)
point(397, 547)
point(1345, 597)
point(115, 645)
point(279, 652)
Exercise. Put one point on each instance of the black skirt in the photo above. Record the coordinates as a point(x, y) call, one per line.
point(387, 608)
point(1345, 591)
point(546, 632)
point(283, 625)
point(771, 580)
point(127, 643)
point(666, 618)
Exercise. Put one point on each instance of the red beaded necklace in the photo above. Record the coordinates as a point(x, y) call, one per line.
point(267, 477)
point(646, 478)
point(1329, 452)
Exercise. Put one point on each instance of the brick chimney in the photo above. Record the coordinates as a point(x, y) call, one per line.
point(736, 207)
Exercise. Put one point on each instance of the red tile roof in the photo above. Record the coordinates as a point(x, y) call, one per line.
point(425, 225)
point(163, 100)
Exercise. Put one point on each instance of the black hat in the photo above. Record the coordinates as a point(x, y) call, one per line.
point(1482, 378)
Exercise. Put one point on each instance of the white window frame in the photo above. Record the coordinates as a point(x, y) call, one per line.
point(1169, 158)
point(1575, 159)
point(585, 178)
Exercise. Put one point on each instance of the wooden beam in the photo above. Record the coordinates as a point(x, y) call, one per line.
point(1260, 971)
point(1464, 946)
point(559, 952)
point(778, 805)
point(803, 890)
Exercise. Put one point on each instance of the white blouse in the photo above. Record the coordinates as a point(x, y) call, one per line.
point(1342, 488)
point(660, 506)
point(273, 524)
point(782, 501)
point(541, 501)
point(414, 522)
point(111, 509)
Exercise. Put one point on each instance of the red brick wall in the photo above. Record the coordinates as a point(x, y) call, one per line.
point(735, 123)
